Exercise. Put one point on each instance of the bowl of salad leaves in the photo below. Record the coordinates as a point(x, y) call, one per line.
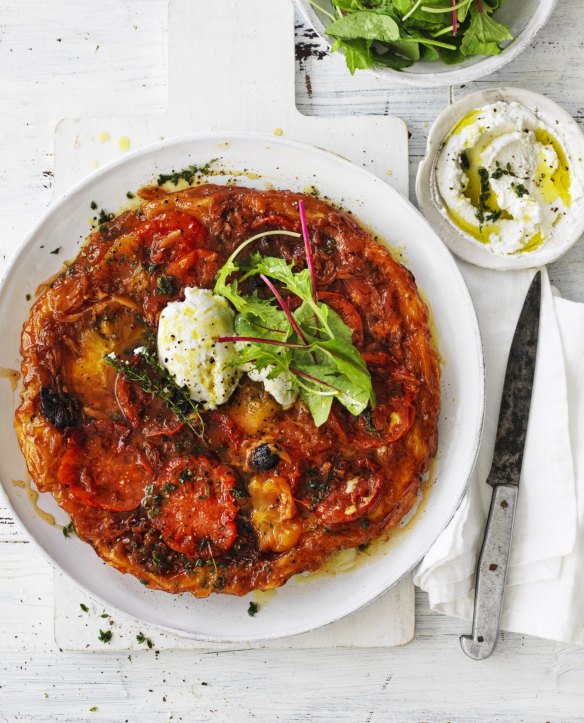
point(427, 42)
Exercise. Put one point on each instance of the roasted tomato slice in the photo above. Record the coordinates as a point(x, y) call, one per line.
point(145, 412)
point(395, 411)
point(346, 311)
point(195, 268)
point(222, 431)
point(171, 235)
point(192, 506)
point(102, 469)
point(357, 495)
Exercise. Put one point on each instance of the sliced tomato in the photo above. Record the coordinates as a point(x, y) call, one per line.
point(171, 235)
point(222, 431)
point(359, 492)
point(192, 506)
point(395, 411)
point(102, 469)
point(145, 412)
point(346, 311)
point(195, 268)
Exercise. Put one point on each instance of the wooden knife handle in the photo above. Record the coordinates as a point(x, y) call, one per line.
point(492, 574)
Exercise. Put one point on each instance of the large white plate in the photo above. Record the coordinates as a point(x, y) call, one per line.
point(296, 607)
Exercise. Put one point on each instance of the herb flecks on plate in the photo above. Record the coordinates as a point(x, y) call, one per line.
point(398, 33)
point(310, 345)
point(186, 174)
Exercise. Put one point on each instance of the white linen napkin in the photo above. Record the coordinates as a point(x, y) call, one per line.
point(545, 585)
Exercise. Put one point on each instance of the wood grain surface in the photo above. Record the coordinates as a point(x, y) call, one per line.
point(73, 57)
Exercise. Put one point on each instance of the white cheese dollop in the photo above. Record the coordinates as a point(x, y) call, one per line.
point(188, 346)
point(505, 181)
point(280, 387)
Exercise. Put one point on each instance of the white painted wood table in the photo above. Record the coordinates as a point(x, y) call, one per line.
point(76, 58)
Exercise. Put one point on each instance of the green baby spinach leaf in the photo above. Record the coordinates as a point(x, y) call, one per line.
point(366, 25)
point(483, 35)
point(357, 53)
point(398, 33)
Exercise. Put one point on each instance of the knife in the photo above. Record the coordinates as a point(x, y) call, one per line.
point(504, 479)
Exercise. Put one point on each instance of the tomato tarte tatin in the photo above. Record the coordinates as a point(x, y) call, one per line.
point(253, 492)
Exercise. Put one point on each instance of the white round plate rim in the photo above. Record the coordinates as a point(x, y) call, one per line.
point(457, 74)
point(444, 123)
point(120, 599)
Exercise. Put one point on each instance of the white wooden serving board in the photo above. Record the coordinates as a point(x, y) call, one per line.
point(243, 81)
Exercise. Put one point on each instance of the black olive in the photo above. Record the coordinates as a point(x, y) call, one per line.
point(263, 457)
point(59, 408)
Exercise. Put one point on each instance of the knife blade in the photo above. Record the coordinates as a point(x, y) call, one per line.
point(504, 477)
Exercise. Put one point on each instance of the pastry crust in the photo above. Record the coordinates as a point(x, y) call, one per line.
point(339, 485)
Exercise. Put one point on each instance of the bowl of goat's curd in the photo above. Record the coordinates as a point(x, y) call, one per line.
point(503, 179)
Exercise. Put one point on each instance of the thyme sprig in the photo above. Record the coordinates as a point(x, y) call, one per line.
point(146, 371)
point(187, 174)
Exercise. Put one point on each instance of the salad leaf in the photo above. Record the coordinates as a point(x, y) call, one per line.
point(357, 53)
point(319, 406)
point(483, 35)
point(312, 345)
point(349, 5)
point(230, 290)
point(398, 33)
point(365, 24)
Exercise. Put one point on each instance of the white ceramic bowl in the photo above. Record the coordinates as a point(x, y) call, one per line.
point(523, 17)
point(296, 607)
point(567, 130)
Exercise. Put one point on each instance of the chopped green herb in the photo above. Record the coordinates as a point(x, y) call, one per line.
point(363, 546)
point(105, 636)
point(130, 195)
point(252, 609)
point(104, 615)
point(93, 206)
point(28, 297)
point(165, 286)
point(484, 195)
point(153, 503)
point(493, 216)
point(185, 475)
point(364, 523)
point(141, 638)
point(367, 418)
point(55, 252)
point(330, 245)
point(159, 559)
point(187, 174)
point(104, 217)
point(93, 708)
point(318, 485)
point(68, 530)
point(520, 189)
point(499, 172)
point(463, 161)
point(84, 607)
